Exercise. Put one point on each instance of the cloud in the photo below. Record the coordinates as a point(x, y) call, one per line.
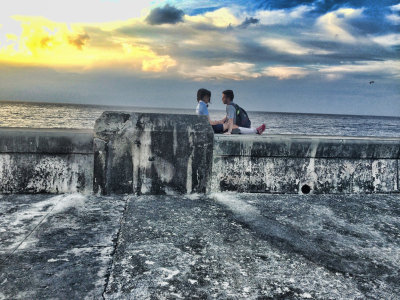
point(222, 18)
point(248, 22)
point(388, 68)
point(54, 44)
point(230, 70)
point(393, 18)
point(165, 15)
point(79, 40)
point(335, 24)
point(281, 16)
point(157, 64)
point(286, 46)
point(388, 40)
point(284, 72)
point(294, 38)
point(395, 7)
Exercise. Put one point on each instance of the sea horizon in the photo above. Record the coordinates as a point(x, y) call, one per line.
point(29, 114)
point(187, 109)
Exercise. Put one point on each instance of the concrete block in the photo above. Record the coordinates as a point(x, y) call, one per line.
point(316, 165)
point(146, 153)
point(289, 175)
point(46, 161)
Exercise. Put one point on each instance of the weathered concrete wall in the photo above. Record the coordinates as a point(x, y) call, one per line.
point(146, 153)
point(305, 164)
point(46, 160)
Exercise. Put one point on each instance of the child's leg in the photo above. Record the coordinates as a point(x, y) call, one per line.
point(258, 130)
point(226, 127)
point(219, 128)
point(244, 130)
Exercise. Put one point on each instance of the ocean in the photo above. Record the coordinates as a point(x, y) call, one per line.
point(55, 115)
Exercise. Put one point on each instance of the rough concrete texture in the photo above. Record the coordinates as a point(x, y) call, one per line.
point(146, 153)
point(258, 247)
point(286, 164)
point(224, 246)
point(46, 161)
point(57, 247)
point(38, 173)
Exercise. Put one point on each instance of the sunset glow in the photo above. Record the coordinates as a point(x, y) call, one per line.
point(313, 42)
point(60, 45)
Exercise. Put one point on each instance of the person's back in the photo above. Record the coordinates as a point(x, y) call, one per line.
point(241, 117)
point(236, 117)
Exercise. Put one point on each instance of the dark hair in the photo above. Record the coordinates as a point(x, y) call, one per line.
point(201, 93)
point(229, 94)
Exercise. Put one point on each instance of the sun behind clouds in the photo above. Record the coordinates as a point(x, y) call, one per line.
point(43, 42)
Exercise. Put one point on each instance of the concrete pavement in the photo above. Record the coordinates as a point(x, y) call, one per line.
point(220, 246)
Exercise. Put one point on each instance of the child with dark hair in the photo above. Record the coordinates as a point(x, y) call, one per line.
point(203, 99)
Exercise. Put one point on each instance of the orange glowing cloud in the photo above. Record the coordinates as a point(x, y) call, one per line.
point(52, 44)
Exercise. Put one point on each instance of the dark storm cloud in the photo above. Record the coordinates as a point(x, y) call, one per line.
point(165, 15)
point(248, 22)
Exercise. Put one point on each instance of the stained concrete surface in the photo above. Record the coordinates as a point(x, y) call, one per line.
point(286, 163)
point(46, 161)
point(56, 247)
point(153, 154)
point(221, 246)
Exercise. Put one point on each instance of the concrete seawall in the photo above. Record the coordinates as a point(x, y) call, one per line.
point(306, 164)
point(145, 153)
point(46, 160)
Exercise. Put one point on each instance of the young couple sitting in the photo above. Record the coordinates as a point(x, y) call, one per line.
point(236, 119)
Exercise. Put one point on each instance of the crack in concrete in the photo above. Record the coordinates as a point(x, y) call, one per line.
point(398, 179)
point(116, 243)
point(34, 229)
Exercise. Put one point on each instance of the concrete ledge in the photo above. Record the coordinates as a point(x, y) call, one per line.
point(301, 146)
point(305, 164)
point(48, 141)
point(146, 153)
point(46, 160)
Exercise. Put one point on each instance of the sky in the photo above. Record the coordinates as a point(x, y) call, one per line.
point(314, 56)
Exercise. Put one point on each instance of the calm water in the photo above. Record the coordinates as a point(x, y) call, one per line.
point(44, 115)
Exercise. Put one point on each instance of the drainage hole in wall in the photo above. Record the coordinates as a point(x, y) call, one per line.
point(305, 189)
